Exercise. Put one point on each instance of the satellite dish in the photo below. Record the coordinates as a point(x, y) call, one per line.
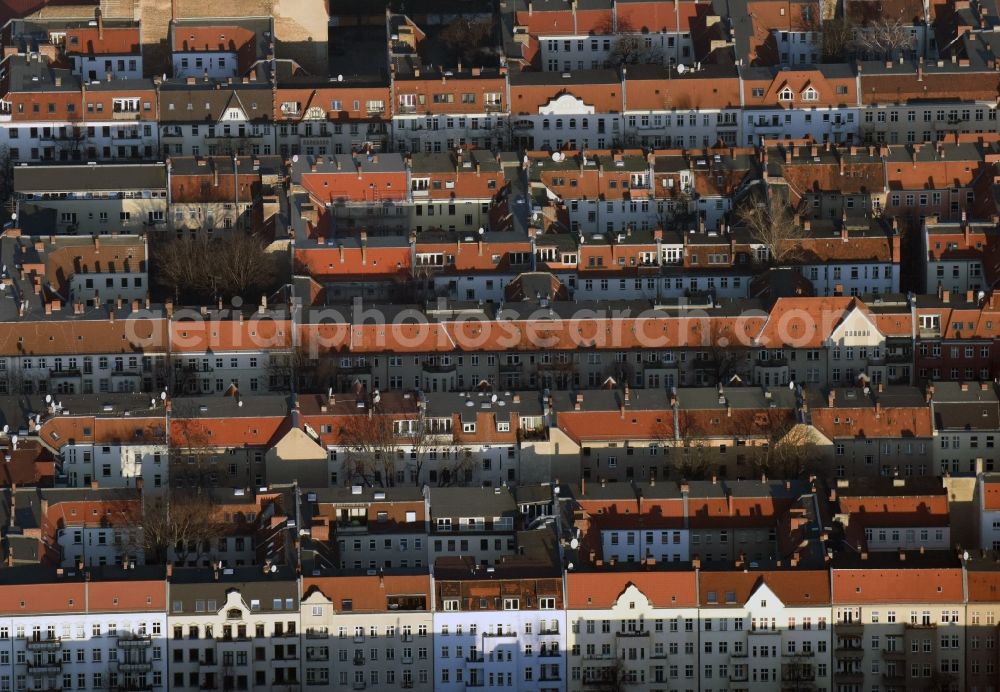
point(152, 402)
point(163, 396)
point(13, 217)
point(13, 442)
point(965, 555)
point(340, 78)
point(295, 158)
point(493, 398)
point(48, 398)
point(482, 230)
point(682, 68)
point(791, 385)
point(240, 403)
point(574, 544)
point(557, 156)
point(569, 565)
point(6, 429)
point(274, 568)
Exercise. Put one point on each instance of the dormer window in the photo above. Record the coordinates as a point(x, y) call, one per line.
point(126, 105)
point(810, 94)
point(290, 108)
point(786, 95)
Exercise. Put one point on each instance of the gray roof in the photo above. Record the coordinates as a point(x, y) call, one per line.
point(80, 177)
point(189, 586)
point(471, 502)
point(206, 102)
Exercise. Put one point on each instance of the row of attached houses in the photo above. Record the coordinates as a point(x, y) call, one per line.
point(906, 619)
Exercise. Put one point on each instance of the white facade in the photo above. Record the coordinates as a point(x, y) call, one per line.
point(513, 648)
point(636, 545)
point(82, 374)
point(590, 52)
point(83, 651)
point(835, 124)
point(798, 48)
point(854, 279)
point(681, 128)
point(96, 140)
point(444, 132)
point(758, 644)
point(116, 465)
point(347, 650)
point(654, 648)
point(97, 67)
point(221, 637)
point(213, 64)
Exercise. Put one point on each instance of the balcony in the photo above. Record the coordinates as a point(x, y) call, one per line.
point(799, 654)
point(894, 654)
point(49, 668)
point(848, 677)
point(317, 633)
point(125, 115)
point(40, 644)
point(134, 667)
point(135, 641)
point(550, 653)
point(438, 369)
point(636, 633)
point(359, 686)
point(894, 677)
point(763, 632)
point(508, 633)
point(849, 645)
point(857, 628)
point(739, 676)
point(921, 625)
point(475, 658)
point(407, 108)
point(359, 660)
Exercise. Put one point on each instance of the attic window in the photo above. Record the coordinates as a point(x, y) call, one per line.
point(810, 94)
point(786, 95)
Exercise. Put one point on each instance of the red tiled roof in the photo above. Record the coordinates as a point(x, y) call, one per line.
point(601, 589)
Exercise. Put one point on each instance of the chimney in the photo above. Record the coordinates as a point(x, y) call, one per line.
point(831, 398)
point(99, 16)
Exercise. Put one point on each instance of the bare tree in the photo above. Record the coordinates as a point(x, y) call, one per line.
point(201, 270)
point(726, 358)
point(179, 525)
point(884, 38)
point(773, 225)
point(838, 39)
point(372, 447)
point(631, 49)
point(467, 39)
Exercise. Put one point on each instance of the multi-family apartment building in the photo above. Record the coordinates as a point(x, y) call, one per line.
point(235, 627)
point(99, 628)
point(898, 620)
point(364, 630)
point(497, 624)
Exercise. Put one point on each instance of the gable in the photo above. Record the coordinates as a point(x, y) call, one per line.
point(856, 329)
point(763, 594)
point(566, 104)
point(630, 595)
